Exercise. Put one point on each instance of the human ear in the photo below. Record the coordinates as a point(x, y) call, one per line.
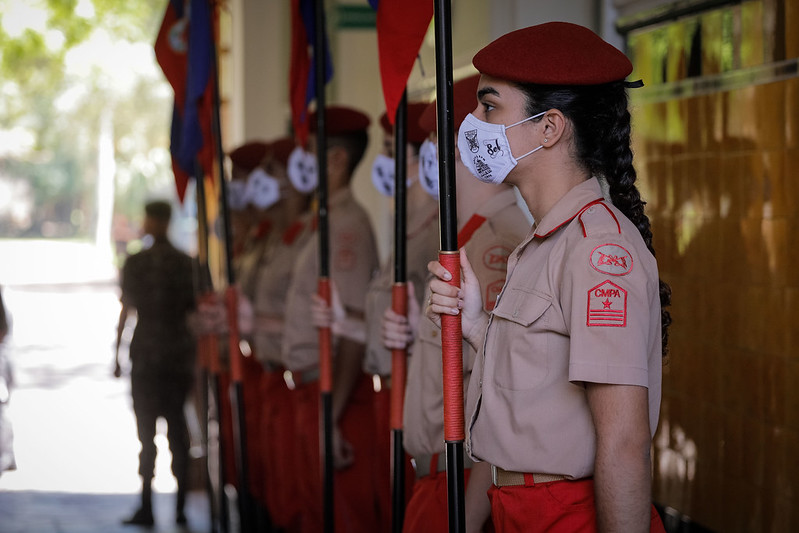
point(554, 126)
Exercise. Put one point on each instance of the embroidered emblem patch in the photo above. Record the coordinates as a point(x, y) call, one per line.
point(345, 260)
point(496, 258)
point(607, 305)
point(611, 259)
point(492, 292)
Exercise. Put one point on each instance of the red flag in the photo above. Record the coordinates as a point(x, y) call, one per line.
point(193, 139)
point(401, 27)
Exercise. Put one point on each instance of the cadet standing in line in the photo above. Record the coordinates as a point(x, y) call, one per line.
point(491, 224)
point(157, 284)
point(566, 393)
point(353, 259)
point(291, 231)
point(421, 245)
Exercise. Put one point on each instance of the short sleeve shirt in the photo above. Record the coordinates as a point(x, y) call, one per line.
point(488, 238)
point(580, 304)
point(422, 245)
point(272, 284)
point(158, 283)
point(353, 260)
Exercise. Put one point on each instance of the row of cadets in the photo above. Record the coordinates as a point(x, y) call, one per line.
point(250, 228)
point(353, 259)
point(421, 246)
point(491, 224)
point(292, 229)
point(260, 197)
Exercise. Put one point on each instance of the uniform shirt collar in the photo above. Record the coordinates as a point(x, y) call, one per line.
point(568, 207)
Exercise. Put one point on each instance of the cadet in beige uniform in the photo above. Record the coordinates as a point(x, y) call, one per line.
point(421, 246)
point(566, 392)
point(491, 224)
point(353, 259)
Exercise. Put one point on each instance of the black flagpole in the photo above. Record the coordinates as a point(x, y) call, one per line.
point(451, 338)
point(236, 392)
point(325, 341)
point(399, 299)
point(205, 287)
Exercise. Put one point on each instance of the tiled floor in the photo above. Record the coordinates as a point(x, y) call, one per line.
point(60, 512)
point(74, 432)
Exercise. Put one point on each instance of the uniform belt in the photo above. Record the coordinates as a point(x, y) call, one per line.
point(380, 383)
point(506, 478)
point(428, 465)
point(295, 378)
point(273, 367)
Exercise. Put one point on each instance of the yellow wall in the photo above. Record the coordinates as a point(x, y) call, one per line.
point(718, 156)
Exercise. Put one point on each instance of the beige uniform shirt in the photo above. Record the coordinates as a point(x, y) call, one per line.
point(272, 285)
point(248, 264)
point(488, 237)
point(581, 304)
point(422, 246)
point(353, 260)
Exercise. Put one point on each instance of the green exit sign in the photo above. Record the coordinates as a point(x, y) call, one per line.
point(354, 17)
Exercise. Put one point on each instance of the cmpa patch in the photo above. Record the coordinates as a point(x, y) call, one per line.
point(496, 258)
point(611, 259)
point(607, 305)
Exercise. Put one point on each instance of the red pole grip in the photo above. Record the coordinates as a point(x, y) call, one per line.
point(452, 357)
point(399, 304)
point(231, 299)
point(325, 343)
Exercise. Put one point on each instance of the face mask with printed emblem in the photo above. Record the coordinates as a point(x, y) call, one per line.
point(485, 149)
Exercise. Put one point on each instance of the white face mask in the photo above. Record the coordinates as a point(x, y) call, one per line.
point(263, 191)
point(383, 174)
point(428, 167)
point(485, 149)
point(237, 194)
point(302, 170)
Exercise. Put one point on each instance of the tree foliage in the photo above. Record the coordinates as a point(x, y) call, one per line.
point(64, 65)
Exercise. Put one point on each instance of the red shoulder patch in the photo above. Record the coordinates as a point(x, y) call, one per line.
point(496, 258)
point(611, 259)
point(607, 305)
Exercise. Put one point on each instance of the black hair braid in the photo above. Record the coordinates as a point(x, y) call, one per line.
point(621, 176)
point(601, 123)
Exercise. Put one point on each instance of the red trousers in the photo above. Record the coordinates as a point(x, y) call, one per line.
point(279, 470)
point(560, 506)
point(354, 500)
point(252, 372)
point(381, 472)
point(427, 510)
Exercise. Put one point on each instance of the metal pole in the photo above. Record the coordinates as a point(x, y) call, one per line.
point(451, 338)
point(205, 289)
point(325, 340)
point(231, 297)
point(399, 300)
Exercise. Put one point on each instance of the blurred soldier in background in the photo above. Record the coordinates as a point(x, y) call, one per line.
point(157, 284)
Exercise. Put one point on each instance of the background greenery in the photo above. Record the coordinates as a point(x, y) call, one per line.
point(69, 69)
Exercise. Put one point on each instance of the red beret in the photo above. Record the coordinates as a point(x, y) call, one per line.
point(464, 92)
point(281, 149)
point(249, 155)
point(340, 120)
point(416, 134)
point(555, 53)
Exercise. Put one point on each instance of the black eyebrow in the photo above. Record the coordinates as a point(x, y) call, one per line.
point(487, 90)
